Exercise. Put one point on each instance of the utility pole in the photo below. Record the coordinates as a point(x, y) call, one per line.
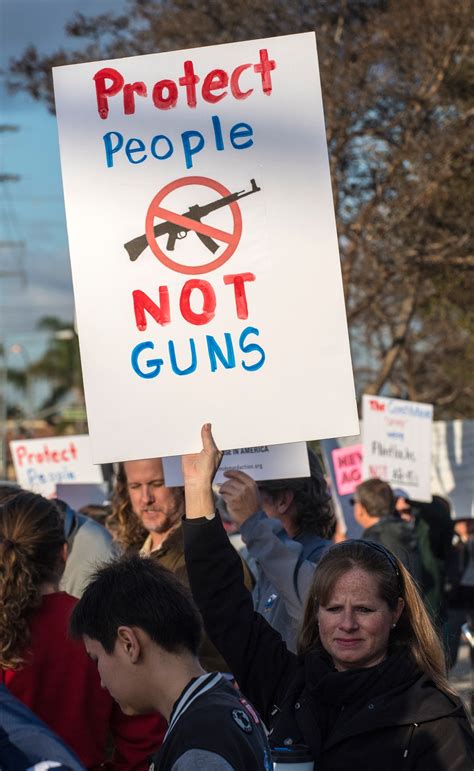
point(15, 249)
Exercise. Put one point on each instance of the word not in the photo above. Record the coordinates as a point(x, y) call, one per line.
point(46, 456)
point(151, 368)
point(165, 93)
point(162, 315)
point(161, 147)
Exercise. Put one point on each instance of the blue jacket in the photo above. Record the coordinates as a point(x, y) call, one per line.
point(25, 740)
point(285, 569)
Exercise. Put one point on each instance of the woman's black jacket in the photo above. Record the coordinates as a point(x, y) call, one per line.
point(417, 727)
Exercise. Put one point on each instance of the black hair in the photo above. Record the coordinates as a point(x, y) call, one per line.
point(314, 513)
point(136, 591)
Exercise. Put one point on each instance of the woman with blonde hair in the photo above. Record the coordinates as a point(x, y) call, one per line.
point(39, 664)
point(368, 688)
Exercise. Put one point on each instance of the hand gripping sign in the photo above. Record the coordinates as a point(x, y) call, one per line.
point(177, 226)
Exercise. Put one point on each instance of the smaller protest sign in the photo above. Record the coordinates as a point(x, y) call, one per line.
point(348, 468)
point(396, 439)
point(279, 461)
point(452, 464)
point(41, 464)
point(84, 494)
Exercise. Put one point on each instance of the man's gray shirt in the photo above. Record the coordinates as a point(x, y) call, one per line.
point(285, 570)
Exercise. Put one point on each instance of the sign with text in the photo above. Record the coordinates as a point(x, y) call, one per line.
point(347, 468)
point(41, 464)
point(280, 461)
point(396, 439)
point(204, 249)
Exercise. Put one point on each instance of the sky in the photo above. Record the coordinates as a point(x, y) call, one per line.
point(32, 209)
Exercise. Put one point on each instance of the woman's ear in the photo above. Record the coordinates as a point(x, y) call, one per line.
point(399, 610)
point(64, 553)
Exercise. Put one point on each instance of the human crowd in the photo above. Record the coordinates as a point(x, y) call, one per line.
point(238, 630)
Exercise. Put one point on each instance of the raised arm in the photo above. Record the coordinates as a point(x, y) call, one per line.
point(280, 558)
point(255, 652)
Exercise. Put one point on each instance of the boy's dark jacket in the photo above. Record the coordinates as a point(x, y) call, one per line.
point(412, 726)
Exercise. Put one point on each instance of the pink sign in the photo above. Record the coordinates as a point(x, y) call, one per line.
point(347, 468)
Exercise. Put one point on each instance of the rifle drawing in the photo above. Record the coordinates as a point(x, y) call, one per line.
point(195, 212)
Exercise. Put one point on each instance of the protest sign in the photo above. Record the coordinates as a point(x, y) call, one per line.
point(396, 439)
point(452, 465)
point(204, 250)
point(41, 464)
point(79, 495)
point(280, 461)
point(348, 468)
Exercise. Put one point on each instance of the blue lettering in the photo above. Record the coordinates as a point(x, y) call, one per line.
point(189, 149)
point(155, 364)
point(250, 348)
point(240, 131)
point(218, 132)
point(110, 148)
point(215, 352)
point(154, 143)
point(174, 365)
point(131, 149)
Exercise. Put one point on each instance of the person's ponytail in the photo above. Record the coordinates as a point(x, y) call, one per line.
point(31, 538)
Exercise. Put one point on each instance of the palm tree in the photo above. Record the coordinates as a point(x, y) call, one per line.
point(60, 364)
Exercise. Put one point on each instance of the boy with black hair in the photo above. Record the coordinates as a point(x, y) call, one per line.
point(142, 628)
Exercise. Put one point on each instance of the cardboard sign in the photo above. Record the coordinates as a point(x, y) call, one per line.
point(41, 464)
point(452, 465)
point(204, 250)
point(348, 468)
point(281, 461)
point(396, 438)
point(79, 495)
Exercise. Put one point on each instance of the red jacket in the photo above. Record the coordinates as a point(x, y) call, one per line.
point(60, 683)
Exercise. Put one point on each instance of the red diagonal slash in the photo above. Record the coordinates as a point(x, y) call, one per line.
point(198, 227)
point(230, 239)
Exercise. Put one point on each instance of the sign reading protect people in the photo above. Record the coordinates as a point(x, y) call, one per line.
point(42, 464)
point(204, 250)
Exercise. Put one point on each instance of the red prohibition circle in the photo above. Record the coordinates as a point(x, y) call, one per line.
point(155, 209)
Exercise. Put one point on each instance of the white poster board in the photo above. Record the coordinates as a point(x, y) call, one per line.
point(41, 464)
point(204, 250)
point(396, 439)
point(280, 461)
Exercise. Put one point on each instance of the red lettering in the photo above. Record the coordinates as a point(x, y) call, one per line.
point(234, 82)
point(265, 67)
point(55, 456)
point(142, 303)
point(208, 304)
point(102, 92)
point(189, 80)
point(129, 91)
point(20, 454)
point(214, 80)
point(375, 405)
point(238, 280)
point(165, 103)
point(73, 450)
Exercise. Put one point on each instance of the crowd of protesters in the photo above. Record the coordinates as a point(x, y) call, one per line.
point(138, 636)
